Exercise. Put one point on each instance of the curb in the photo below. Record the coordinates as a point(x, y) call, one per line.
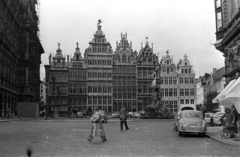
point(232, 143)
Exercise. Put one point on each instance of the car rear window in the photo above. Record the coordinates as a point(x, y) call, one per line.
point(192, 115)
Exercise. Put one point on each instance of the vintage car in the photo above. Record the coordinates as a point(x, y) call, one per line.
point(191, 121)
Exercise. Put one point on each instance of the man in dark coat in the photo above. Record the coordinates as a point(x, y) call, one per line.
point(235, 113)
point(123, 118)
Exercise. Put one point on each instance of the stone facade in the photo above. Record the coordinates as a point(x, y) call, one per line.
point(99, 58)
point(124, 76)
point(228, 35)
point(147, 62)
point(20, 54)
point(112, 80)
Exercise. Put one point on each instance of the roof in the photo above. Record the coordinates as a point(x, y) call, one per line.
point(219, 74)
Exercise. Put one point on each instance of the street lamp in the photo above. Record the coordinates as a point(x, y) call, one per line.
point(53, 93)
point(47, 101)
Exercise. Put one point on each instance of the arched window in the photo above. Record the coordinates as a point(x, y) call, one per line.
point(150, 61)
point(124, 59)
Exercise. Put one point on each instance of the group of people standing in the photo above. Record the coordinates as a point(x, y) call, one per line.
point(97, 127)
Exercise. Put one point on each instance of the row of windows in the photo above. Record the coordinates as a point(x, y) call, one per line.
point(77, 100)
point(168, 70)
point(77, 64)
point(186, 80)
point(99, 75)
point(186, 71)
point(99, 89)
point(99, 48)
point(124, 70)
point(59, 76)
point(77, 88)
point(124, 93)
point(187, 101)
point(171, 92)
point(99, 62)
point(125, 82)
point(187, 92)
point(98, 100)
point(77, 75)
point(144, 73)
point(168, 80)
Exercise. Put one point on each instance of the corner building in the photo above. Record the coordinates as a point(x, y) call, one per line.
point(98, 57)
point(124, 76)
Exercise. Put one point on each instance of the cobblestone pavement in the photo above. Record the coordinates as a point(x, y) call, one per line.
point(69, 139)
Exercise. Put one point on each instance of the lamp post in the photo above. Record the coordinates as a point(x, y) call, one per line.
point(53, 93)
point(47, 100)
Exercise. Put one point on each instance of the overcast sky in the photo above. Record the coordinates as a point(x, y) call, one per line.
point(180, 26)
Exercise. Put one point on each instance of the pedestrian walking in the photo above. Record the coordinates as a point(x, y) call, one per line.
point(235, 113)
point(97, 127)
point(123, 118)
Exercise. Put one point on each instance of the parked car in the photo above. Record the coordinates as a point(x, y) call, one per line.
point(116, 115)
point(79, 115)
point(144, 116)
point(191, 121)
point(136, 115)
point(216, 119)
point(104, 116)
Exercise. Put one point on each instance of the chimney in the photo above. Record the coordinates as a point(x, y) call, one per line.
point(214, 71)
point(67, 59)
point(50, 56)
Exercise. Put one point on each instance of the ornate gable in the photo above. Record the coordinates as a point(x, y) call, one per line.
point(146, 55)
point(124, 53)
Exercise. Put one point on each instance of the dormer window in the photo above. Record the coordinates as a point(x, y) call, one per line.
point(167, 62)
point(77, 57)
point(185, 63)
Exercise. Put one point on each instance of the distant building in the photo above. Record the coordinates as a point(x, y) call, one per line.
point(228, 35)
point(124, 76)
point(99, 57)
point(110, 80)
point(186, 84)
point(77, 82)
point(147, 62)
point(169, 87)
point(199, 92)
point(213, 85)
point(43, 95)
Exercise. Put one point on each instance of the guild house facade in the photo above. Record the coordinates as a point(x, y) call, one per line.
point(111, 80)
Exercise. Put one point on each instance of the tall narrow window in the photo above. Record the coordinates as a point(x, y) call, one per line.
point(218, 3)
point(219, 21)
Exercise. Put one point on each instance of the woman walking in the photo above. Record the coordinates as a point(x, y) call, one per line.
point(123, 118)
point(97, 127)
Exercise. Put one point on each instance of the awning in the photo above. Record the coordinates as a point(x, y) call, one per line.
point(233, 95)
point(220, 95)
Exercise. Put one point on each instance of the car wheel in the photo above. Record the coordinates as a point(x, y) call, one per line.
point(180, 133)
